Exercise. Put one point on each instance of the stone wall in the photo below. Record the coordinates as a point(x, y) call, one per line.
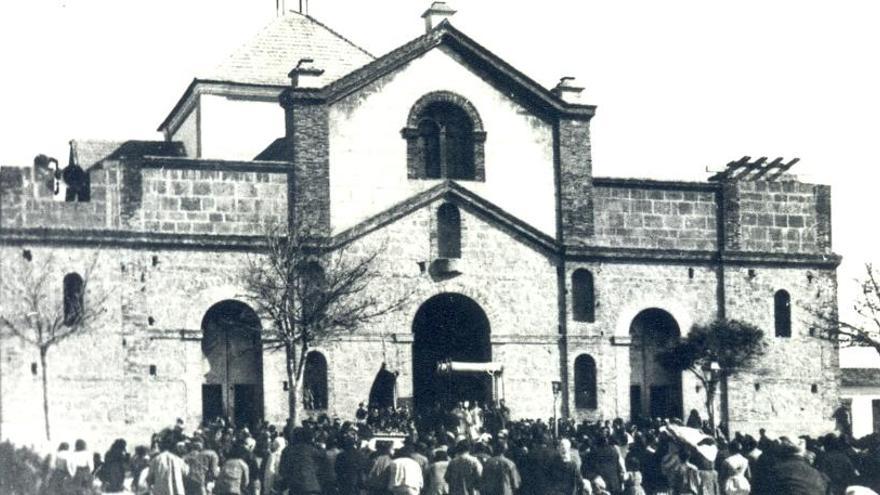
point(647, 214)
point(782, 216)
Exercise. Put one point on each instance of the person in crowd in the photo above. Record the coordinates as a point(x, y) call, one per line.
point(604, 461)
point(351, 467)
point(140, 464)
point(435, 477)
point(167, 470)
point(405, 476)
point(500, 475)
point(81, 468)
point(377, 476)
point(735, 472)
point(564, 477)
point(464, 471)
point(272, 463)
point(115, 466)
point(303, 466)
point(234, 476)
point(784, 470)
point(836, 465)
point(204, 467)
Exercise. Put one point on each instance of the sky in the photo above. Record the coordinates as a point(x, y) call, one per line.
point(680, 85)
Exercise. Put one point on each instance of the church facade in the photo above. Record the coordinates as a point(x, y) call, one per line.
point(474, 184)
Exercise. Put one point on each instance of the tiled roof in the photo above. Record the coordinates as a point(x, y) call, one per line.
point(92, 152)
point(270, 55)
point(860, 377)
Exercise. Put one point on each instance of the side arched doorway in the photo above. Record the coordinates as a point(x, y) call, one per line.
point(231, 343)
point(449, 327)
point(654, 390)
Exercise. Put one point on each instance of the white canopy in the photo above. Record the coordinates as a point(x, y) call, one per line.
point(449, 367)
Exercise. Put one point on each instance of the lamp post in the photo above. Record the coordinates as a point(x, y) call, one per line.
point(557, 389)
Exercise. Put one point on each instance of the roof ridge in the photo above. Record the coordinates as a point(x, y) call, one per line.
point(337, 34)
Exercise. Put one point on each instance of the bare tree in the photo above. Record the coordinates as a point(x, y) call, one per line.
point(864, 329)
point(34, 312)
point(312, 291)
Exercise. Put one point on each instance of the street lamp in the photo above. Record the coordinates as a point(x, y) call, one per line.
point(557, 390)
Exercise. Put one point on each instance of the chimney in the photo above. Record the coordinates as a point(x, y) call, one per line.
point(438, 13)
point(280, 8)
point(305, 74)
point(568, 90)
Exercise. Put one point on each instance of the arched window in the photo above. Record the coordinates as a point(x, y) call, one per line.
point(585, 382)
point(315, 382)
point(448, 231)
point(583, 298)
point(73, 298)
point(782, 313)
point(444, 139)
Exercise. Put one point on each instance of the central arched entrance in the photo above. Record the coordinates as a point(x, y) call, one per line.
point(449, 327)
point(232, 345)
point(654, 390)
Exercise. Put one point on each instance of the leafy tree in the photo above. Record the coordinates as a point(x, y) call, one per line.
point(311, 291)
point(714, 352)
point(43, 310)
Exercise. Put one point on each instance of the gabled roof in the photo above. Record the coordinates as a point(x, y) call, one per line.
point(88, 153)
point(465, 199)
point(478, 57)
point(268, 57)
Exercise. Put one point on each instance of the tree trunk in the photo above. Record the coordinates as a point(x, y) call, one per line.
point(45, 378)
point(291, 382)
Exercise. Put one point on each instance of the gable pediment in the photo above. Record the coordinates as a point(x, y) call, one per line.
point(474, 56)
point(465, 199)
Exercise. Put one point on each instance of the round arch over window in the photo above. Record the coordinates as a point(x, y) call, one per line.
point(445, 138)
point(585, 382)
point(315, 396)
point(782, 313)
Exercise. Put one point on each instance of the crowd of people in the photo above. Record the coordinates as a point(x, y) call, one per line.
point(468, 450)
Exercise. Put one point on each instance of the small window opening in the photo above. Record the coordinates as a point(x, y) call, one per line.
point(33, 368)
point(155, 260)
point(757, 386)
point(691, 273)
point(809, 277)
point(585, 382)
point(814, 388)
point(151, 320)
point(73, 298)
point(782, 313)
point(315, 382)
point(583, 298)
point(27, 255)
point(448, 231)
point(751, 273)
point(152, 370)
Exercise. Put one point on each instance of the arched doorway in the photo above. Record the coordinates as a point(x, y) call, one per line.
point(654, 390)
point(449, 327)
point(231, 343)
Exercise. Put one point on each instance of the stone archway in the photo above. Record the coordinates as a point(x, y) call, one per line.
point(231, 343)
point(654, 391)
point(449, 327)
